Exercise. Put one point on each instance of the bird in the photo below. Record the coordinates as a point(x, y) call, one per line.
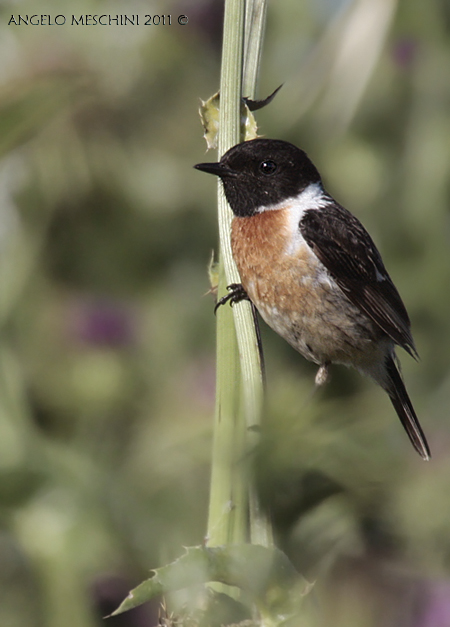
point(312, 270)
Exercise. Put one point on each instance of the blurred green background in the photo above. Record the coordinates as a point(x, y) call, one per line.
point(107, 336)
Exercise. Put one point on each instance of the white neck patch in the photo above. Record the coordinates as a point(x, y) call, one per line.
point(312, 198)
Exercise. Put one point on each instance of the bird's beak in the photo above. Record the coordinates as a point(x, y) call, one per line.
point(214, 168)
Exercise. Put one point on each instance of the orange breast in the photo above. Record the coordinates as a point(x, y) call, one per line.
point(295, 294)
point(271, 274)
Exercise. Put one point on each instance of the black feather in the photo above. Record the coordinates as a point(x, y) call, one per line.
point(348, 252)
point(403, 406)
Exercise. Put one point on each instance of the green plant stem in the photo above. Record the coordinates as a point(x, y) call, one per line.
point(255, 22)
point(239, 388)
point(260, 524)
point(228, 500)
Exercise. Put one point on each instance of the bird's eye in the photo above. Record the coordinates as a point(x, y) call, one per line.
point(268, 167)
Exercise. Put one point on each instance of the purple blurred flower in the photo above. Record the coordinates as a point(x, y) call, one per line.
point(436, 605)
point(103, 322)
point(206, 16)
point(404, 52)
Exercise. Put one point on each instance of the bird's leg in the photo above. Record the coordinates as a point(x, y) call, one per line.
point(236, 293)
point(323, 375)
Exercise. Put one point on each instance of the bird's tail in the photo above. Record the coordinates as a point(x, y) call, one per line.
point(403, 406)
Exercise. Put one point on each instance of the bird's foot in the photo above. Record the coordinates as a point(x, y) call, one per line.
point(236, 293)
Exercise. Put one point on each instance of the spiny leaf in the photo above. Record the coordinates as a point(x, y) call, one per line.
point(209, 115)
point(265, 574)
point(213, 274)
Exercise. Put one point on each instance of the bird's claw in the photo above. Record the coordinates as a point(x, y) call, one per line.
point(236, 293)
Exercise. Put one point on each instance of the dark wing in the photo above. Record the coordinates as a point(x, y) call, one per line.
point(347, 251)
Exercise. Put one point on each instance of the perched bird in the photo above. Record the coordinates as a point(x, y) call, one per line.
point(312, 270)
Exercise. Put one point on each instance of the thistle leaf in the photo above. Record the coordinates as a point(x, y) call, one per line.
point(264, 574)
point(209, 115)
